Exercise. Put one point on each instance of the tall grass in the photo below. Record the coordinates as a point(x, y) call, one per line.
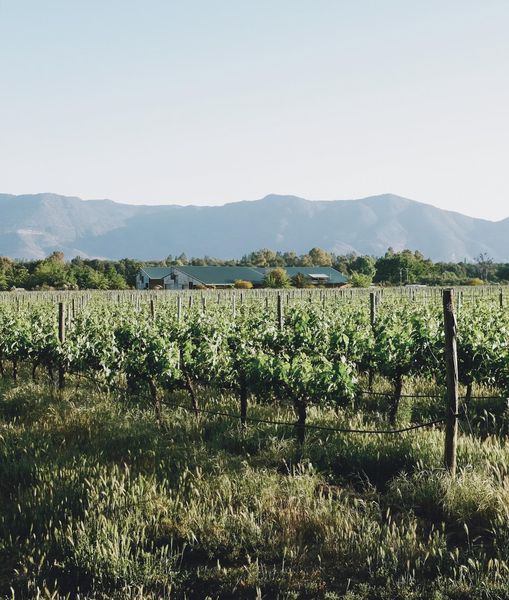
point(97, 501)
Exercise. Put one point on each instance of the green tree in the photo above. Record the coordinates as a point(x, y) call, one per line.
point(4, 285)
point(364, 265)
point(51, 272)
point(299, 280)
point(361, 280)
point(402, 267)
point(277, 278)
point(320, 258)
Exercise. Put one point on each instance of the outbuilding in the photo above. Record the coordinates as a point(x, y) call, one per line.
point(189, 277)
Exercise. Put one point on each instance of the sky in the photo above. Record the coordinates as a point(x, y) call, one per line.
point(214, 101)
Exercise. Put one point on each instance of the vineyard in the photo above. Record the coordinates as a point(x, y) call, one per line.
point(254, 444)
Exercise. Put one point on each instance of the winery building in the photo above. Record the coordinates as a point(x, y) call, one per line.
point(190, 277)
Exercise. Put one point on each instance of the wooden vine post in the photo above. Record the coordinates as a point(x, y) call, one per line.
point(179, 309)
point(372, 308)
point(373, 303)
point(280, 317)
point(451, 361)
point(61, 339)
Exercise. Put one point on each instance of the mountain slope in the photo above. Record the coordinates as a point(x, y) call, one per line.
point(33, 226)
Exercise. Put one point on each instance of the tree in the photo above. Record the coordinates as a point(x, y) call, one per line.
point(290, 259)
point(360, 280)
point(402, 267)
point(56, 256)
point(320, 258)
point(277, 278)
point(364, 265)
point(503, 272)
point(485, 264)
point(182, 260)
point(299, 280)
point(129, 268)
point(51, 272)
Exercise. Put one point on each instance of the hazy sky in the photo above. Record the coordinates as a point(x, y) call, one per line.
point(211, 101)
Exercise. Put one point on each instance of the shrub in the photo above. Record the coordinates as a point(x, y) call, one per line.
point(241, 284)
point(360, 280)
point(475, 281)
point(277, 278)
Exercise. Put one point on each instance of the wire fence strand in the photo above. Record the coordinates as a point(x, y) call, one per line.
point(311, 426)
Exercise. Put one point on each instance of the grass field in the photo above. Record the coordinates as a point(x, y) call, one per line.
point(97, 501)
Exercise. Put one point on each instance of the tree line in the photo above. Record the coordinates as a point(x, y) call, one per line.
point(393, 268)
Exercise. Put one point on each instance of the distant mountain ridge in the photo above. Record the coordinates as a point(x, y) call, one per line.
point(33, 226)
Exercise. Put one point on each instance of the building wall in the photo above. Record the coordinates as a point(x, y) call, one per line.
point(182, 281)
point(141, 281)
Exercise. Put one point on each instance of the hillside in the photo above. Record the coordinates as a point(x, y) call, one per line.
point(32, 226)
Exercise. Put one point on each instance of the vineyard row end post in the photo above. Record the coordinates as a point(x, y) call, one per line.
point(61, 339)
point(451, 363)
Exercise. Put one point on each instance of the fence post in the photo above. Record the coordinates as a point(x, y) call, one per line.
point(372, 307)
point(280, 318)
point(61, 339)
point(373, 303)
point(152, 309)
point(179, 308)
point(501, 298)
point(451, 363)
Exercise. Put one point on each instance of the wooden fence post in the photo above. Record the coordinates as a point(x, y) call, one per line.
point(451, 361)
point(372, 307)
point(280, 318)
point(61, 339)
point(373, 302)
point(179, 308)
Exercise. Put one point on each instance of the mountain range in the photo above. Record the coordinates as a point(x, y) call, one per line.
point(33, 226)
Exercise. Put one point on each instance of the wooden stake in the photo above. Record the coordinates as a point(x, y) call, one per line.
point(372, 307)
point(179, 309)
point(61, 339)
point(451, 363)
point(280, 317)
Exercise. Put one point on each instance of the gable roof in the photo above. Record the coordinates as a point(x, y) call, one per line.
point(211, 275)
point(222, 275)
point(318, 272)
point(156, 272)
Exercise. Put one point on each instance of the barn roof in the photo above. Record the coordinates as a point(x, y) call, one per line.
point(211, 275)
point(157, 272)
point(222, 275)
point(321, 273)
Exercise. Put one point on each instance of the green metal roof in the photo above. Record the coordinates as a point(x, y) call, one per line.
point(157, 272)
point(228, 275)
point(222, 275)
point(333, 275)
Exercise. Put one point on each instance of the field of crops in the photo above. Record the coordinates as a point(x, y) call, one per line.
point(251, 445)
